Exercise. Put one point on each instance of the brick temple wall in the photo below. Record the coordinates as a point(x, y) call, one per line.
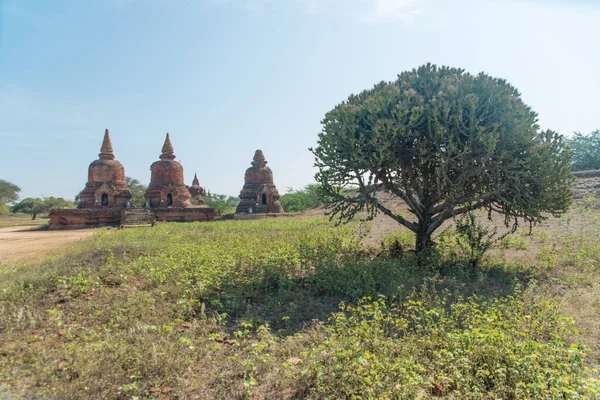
point(90, 218)
point(84, 218)
point(184, 214)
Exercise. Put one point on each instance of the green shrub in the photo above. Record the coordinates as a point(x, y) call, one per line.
point(474, 238)
point(582, 249)
point(355, 278)
point(293, 202)
point(513, 242)
point(221, 203)
point(589, 202)
point(466, 243)
point(396, 243)
point(431, 344)
point(298, 200)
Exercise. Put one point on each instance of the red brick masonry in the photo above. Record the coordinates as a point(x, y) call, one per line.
point(90, 218)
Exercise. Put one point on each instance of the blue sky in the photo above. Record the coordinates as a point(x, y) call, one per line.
point(226, 77)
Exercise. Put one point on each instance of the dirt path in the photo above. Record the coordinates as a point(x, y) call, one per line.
point(19, 243)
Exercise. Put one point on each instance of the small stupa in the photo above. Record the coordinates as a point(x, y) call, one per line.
point(259, 194)
point(167, 187)
point(196, 191)
point(106, 185)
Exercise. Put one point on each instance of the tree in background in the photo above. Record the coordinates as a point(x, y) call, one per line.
point(137, 191)
point(298, 200)
point(32, 206)
point(9, 193)
point(586, 151)
point(35, 206)
point(221, 203)
point(445, 142)
point(58, 203)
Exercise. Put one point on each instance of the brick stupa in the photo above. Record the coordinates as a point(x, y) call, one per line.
point(106, 185)
point(259, 194)
point(167, 187)
point(196, 191)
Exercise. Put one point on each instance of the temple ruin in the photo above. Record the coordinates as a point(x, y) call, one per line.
point(106, 185)
point(259, 194)
point(105, 200)
point(167, 187)
point(168, 196)
point(196, 191)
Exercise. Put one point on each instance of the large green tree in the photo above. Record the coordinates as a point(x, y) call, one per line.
point(137, 190)
point(57, 203)
point(586, 151)
point(31, 206)
point(221, 203)
point(9, 193)
point(445, 142)
point(35, 206)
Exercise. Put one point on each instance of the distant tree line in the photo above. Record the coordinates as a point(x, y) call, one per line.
point(586, 151)
point(298, 200)
point(35, 206)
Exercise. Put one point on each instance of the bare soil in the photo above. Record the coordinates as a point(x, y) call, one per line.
point(25, 243)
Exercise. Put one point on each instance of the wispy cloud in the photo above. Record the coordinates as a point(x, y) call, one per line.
point(368, 10)
point(406, 10)
point(11, 135)
point(358, 10)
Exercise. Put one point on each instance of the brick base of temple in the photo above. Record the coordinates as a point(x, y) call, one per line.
point(184, 214)
point(85, 218)
point(92, 218)
point(250, 207)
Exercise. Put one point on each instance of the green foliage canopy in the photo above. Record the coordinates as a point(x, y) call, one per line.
point(9, 193)
point(35, 206)
point(298, 200)
point(445, 142)
point(137, 190)
point(221, 203)
point(586, 151)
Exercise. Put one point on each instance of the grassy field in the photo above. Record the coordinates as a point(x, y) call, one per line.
point(299, 308)
point(9, 220)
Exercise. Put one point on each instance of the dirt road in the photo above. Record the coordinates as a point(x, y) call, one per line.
point(19, 243)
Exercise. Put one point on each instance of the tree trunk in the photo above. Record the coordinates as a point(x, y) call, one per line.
point(33, 217)
point(423, 238)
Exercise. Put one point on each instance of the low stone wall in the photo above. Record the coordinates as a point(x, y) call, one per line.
point(131, 217)
point(84, 218)
point(187, 214)
point(91, 218)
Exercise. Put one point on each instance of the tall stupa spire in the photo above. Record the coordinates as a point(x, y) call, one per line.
point(167, 150)
point(195, 182)
point(106, 151)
